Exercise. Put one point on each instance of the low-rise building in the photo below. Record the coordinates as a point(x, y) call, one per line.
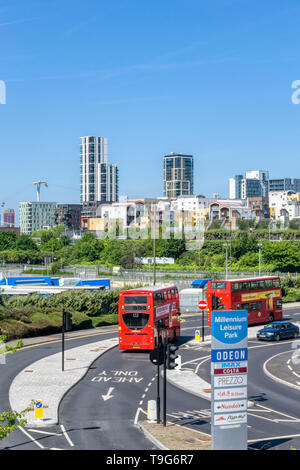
point(68, 215)
point(36, 216)
point(284, 205)
point(259, 206)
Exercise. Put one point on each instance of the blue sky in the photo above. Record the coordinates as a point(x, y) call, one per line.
point(210, 78)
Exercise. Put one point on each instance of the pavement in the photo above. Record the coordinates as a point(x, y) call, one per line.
point(44, 380)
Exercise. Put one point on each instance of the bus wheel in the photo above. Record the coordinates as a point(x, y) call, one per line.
point(271, 317)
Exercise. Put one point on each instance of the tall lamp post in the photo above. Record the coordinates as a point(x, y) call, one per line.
point(259, 258)
point(226, 246)
point(154, 248)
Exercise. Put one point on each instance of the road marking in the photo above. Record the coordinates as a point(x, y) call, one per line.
point(287, 418)
point(31, 438)
point(137, 414)
point(109, 394)
point(66, 435)
point(67, 339)
point(274, 437)
point(45, 432)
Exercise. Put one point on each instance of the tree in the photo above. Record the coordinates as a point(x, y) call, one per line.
point(7, 240)
point(294, 224)
point(25, 242)
point(10, 420)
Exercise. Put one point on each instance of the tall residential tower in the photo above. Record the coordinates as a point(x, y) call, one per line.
point(178, 175)
point(99, 179)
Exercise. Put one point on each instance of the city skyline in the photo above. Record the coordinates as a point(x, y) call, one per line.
point(218, 90)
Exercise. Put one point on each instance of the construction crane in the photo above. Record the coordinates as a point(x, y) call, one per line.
point(38, 188)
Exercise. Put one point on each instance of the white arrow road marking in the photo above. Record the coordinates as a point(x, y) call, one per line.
point(109, 394)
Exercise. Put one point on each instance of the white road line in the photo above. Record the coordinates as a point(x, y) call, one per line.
point(137, 414)
point(45, 432)
point(141, 402)
point(273, 437)
point(31, 438)
point(146, 389)
point(66, 435)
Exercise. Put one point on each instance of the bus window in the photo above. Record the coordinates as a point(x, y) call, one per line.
point(253, 285)
point(236, 286)
point(218, 285)
point(276, 282)
point(135, 321)
point(261, 284)
point(268, 283)
point(245, 286)
point(135, 299)
point(252, 306)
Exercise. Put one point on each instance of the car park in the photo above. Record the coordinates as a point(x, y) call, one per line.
point(278, 330)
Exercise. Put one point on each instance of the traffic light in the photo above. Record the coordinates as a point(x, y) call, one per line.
point(68, 321)
point(171, 356)
point(156, 356)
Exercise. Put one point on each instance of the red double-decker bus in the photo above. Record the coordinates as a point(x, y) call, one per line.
point(139, 312)
point(261, 296)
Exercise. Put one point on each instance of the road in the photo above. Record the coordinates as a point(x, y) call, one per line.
point(99, 412)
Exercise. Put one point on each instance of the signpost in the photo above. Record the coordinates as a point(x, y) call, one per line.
point(229, 367)
point(38, 410)
point(66, 326)
point(202, 306)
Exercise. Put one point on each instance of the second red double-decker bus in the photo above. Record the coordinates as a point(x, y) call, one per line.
point(139, 313)
point(261, 296)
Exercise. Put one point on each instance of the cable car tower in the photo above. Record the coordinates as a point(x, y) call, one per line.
point(38, 188)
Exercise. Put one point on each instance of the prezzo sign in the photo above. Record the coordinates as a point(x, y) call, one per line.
point(229, 367)
point(230, 381)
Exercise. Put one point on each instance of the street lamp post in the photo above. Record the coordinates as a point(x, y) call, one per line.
point(226, 246)
point(154, 249)
point(259, 257)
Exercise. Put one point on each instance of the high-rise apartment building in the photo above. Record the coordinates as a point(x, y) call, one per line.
point(178, 175)
point(235, 190)
point(254, 184)
point(36, 215)
point(284, 184)
point(99, 179)
point(9, 218)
